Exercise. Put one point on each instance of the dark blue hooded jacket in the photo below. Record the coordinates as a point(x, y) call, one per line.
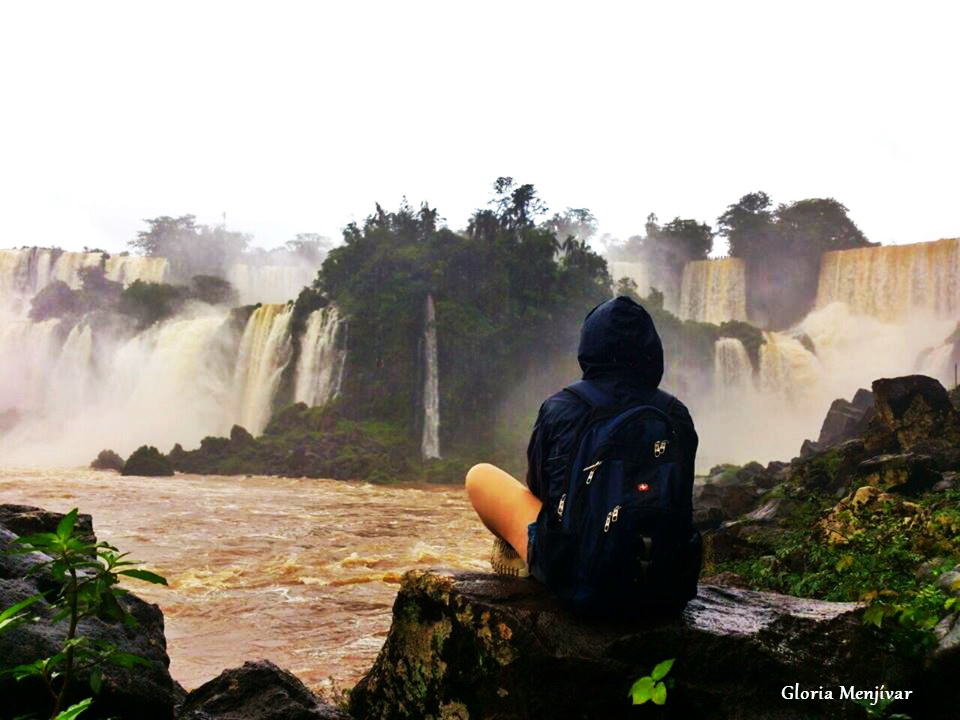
point(621, 353)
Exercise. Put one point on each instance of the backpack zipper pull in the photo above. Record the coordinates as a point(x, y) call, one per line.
point(592, 469)
point(563, 500)
point(611, 518)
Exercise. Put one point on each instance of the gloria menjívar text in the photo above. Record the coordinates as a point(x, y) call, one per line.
point(844, 692)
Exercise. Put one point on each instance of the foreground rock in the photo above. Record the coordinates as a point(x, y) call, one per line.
point(472, 645)
point(257, 691)
point(144, 693)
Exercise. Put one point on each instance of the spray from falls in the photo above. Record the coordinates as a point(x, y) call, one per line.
point(269, 283)
point(430, 447)
point(714, 291)
point(636, 271)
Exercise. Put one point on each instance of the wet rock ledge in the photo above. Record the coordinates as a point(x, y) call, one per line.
point(471, 645)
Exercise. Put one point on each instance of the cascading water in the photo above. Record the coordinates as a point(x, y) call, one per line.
point(78, 385)
point(787, 368)
point(894, 282)
point(732, 371)
point(269, 283)
point(714, 291)
point(265, 350)
point(430, 447)
point(322, 359)
point(127, 269)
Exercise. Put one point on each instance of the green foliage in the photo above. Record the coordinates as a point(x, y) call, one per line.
point(87, 575)
point(56, 300)
point(508, 296)
point(148, 303)
point(147, 461)
point(311, 442)
point(212, 290)
point(652, 686)
point(876, 562)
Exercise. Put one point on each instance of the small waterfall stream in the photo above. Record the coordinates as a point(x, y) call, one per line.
point(430, 447)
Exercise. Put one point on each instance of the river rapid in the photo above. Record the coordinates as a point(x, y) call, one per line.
point(301, 572)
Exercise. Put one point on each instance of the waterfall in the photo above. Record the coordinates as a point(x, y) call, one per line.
point(732, 371)
point(714, 291)
point(265, 350)
point(127, 269)
point(894, 282)
point(788, 369)
point(321, 362)
point(430, 446)
point(27, 271)
point(27, 351)
point(93, 390)
point(269, 283)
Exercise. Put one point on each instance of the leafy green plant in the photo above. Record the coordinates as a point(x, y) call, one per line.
point(88, 575)
point(652, 686)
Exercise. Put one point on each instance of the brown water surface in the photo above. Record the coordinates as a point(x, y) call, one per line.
point(302, 572)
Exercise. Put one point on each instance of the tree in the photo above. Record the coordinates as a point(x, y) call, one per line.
point(191, 249)
point(815, 226)
point(667, 249)
point(166, 236)
point(748, 225)
point(309, 247)
point(782, 250)
point(576, 223)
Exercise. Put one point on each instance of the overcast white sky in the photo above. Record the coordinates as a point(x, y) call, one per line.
point(297, 117)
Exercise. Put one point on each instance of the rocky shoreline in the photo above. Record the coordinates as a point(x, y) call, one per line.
point(476, 645)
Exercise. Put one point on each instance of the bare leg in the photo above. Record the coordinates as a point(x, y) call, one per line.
point(504, 504)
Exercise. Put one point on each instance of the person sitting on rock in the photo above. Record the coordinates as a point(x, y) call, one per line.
point(621, 356)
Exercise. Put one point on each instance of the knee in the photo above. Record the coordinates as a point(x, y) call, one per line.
point(475, 476)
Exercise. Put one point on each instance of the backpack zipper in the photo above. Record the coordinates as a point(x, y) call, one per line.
point(592, 469)
point(563, 500)
point(612, 517)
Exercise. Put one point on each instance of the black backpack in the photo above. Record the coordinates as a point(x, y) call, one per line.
point(621, 539)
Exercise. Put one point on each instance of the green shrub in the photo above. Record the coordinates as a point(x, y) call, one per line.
point(147, 461)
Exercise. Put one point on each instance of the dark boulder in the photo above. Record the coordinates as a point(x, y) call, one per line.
point(481, 646)
point(914, 414)
point(107, 460)
point(906, 473)
point(728, 492)
point(257, 691)
point(144, 693)
point(29, 520)
point(846, 420)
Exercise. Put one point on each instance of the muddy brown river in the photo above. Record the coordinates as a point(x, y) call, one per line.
point(301, 572)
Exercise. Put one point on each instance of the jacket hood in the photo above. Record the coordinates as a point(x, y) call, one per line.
point(618, 339)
